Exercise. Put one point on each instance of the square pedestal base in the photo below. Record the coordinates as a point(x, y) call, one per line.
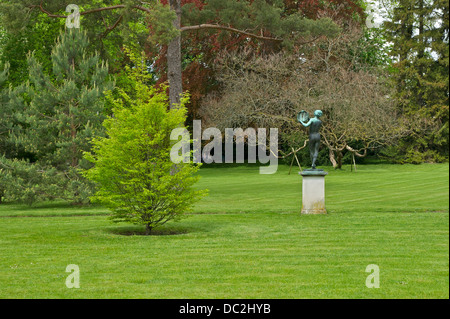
point(313, 191)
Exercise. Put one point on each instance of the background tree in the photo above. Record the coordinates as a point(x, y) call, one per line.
point(208, 27)
point(3, 121)
point(132, 165)
point(259, 19)
point(332, 75)
point(15, 45)
point(419, 31)
point(55, 117)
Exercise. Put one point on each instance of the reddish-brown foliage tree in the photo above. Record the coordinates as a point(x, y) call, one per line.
point(200, 48)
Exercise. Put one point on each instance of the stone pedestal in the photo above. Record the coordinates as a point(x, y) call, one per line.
point(313, 191)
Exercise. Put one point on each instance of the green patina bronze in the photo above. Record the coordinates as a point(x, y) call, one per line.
point(314, 125)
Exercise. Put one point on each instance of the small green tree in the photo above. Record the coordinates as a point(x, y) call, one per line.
point(132, 166)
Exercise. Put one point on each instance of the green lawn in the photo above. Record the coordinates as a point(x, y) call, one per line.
point(246, 240)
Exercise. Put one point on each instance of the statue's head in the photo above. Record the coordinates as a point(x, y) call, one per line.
point(318, 113)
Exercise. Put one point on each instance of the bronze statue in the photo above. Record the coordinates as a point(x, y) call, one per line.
point(314, 135)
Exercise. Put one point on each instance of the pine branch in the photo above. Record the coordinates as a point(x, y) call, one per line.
point(185, 28)
point(120, 6)
point(111, 28)
point(221, 27)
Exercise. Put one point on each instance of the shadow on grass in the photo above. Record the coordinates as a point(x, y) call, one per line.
point(140, 231)
point(172, 228)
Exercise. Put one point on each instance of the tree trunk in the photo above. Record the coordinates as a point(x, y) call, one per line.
point(337, 162)
point(174, 59)
point(339, 159)
point(332, 158)
point(148, 229)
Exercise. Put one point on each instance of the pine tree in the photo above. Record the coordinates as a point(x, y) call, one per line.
point(419, 32)
point(3, 103)
point(3, 122)
point(57, 116)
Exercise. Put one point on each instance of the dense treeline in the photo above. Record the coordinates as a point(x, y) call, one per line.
point(419, 32)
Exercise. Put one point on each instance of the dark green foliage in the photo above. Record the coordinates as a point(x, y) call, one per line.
point(54, 117)
point(419, 32)
point(38, 37)
point(3, 123)
point(28, 183)
point(260, 16)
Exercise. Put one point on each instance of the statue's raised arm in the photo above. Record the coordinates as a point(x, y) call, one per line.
point(306, 124)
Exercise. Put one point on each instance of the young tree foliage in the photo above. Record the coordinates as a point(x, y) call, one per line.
point(133, 170)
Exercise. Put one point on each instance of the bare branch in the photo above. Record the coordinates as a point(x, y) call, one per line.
point(356, 152)
point(293, 150)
